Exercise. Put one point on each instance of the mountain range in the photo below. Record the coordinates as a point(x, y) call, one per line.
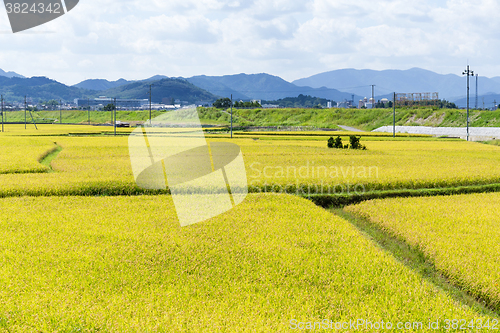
point(102, 84)
point(241, 86)
point(337, 85)
point(14, 89)
point(165, 90)
point(415, 80)
point(9, 74)
point(262, 86)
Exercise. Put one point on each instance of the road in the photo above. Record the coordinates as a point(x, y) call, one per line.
point(475, 133)
point(351, 129)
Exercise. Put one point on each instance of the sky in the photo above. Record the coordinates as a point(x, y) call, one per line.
point(136, 39)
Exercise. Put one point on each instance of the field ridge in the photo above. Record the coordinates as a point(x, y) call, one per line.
point(47, 158)
point(340, 200)
point(416, 260)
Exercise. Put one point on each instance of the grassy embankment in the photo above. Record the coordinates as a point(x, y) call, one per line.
point(319, 118)
point(363, 118)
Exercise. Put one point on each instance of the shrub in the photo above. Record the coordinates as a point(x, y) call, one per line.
point(338, 143)
point(330, 142)
point(354, 142)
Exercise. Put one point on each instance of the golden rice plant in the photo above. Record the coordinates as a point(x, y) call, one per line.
point(460, 234)
point(23, 154)
point(292, 166)
point(123, 264)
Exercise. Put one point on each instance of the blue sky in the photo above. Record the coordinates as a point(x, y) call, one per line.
point(293, 39)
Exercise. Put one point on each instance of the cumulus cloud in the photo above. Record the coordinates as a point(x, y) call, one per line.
point(290, 38)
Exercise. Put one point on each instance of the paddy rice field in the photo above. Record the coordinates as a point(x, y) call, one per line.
point(84, 249)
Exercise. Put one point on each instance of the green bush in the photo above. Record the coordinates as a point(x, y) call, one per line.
point(338, 143)
point(330, 143)
point(354, 142)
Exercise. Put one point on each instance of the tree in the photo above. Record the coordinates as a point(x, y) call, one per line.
point(109, 107)
point(338, 143)
point(330, 142)
point(51, 104)
point(222, 103)
point(354, 142)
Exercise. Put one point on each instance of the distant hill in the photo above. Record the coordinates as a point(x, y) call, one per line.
point(39, 88)
point(496, 79)
point(100, 84)
point(162, 91)
point(216, 87)
point(483, 101)
point(10, 74)
point(156, 78)
point(450, 86)
point(262, 86)
point(338, 85)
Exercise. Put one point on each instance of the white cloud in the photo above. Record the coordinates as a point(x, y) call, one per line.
point(290, 38)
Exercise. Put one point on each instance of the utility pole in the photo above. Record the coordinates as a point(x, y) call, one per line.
point(476, 91)
point(2, 111)
point(24, 111)
point(114, 109)
point(373, 96)
point(88, 102)
point(394, 115)
point(231, 116)
point(468, 72)
point(352, 105)
point(60, 112)
point(150, 104)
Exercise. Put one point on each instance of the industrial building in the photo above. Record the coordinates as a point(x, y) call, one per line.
point(366, 103)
